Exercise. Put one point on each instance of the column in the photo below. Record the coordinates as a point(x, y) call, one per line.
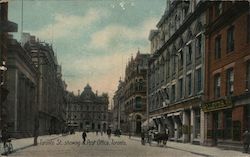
point(175, 129)
point(193, 125)
point(186, 121)
point(203, 128)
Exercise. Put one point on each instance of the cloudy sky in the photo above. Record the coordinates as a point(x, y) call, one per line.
point(93, 39)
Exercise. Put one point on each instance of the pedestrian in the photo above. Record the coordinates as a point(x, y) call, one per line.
point(5, 135)
point(96, 132)
point(150, 135)
point(246, 141)
point(109, 132)
point(142, 138)
point(36, 130)
point(129, 135)
point(84, 135)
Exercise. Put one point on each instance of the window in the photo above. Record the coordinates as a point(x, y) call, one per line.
point(189, 54)
point(198, 46)
point(189, 84)
point(174, 65)
point(230, 39)
point(87, 108)
point(181, 60)
point(138, 102)
point(217, 85)
point(198, 80)
point(180, 88)
point(218, 47)
point(173, 92)
point(230, 81)
point(218, 8)
point(248, 77)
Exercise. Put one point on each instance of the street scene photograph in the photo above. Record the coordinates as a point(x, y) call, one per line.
point(125, 78)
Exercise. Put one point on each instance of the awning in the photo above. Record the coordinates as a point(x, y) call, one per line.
point(149, 123)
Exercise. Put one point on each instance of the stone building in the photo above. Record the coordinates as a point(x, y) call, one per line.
point(227, 97)
point(130, 97)
point(51, 102)
point(119, 117)
point(22, 85)
point(88, 111)
point(176, 71)
point(135, 92)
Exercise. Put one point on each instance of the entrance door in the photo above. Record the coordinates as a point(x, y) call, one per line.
point(215, 127)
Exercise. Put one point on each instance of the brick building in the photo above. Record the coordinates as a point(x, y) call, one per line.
point(227, 97)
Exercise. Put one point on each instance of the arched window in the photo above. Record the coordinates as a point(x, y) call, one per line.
point(138, 102)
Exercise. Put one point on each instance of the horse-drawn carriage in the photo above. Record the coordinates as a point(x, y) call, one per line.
point(159, 137)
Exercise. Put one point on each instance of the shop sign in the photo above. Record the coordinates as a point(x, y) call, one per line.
point(217, 105)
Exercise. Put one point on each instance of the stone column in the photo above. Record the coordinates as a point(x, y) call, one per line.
point(175, 129)
point(203, 128)
point(193, 125)
point(185, 118)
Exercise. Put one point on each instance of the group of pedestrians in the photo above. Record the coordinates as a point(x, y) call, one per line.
point(84, 134)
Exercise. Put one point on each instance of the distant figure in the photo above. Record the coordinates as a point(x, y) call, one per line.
point(142, 138)
point(246, 141)
point(101, 132)
point(84, 135)
point(5, 135)
point(96, 132)
point(129, 134)
point(36, 130)
point(109, 132)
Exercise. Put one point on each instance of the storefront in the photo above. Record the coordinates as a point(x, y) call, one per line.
point(222, 121)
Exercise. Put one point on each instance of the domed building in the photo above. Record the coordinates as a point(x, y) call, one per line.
point(89, 111)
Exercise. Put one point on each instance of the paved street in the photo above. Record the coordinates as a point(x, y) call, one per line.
point(71, 145)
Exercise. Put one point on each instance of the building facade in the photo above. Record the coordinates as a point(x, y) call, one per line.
point(119, 116)
point(176, 71)
point(89, 111)
point(130, 98)
point(5, 27)
point(22, 85)
point(50, 87)
point(136, 92)
point(227, 97)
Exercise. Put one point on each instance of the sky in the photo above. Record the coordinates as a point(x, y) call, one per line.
point(93, 39)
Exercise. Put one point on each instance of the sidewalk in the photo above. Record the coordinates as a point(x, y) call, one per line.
point(199, 150)
point(19, 144)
